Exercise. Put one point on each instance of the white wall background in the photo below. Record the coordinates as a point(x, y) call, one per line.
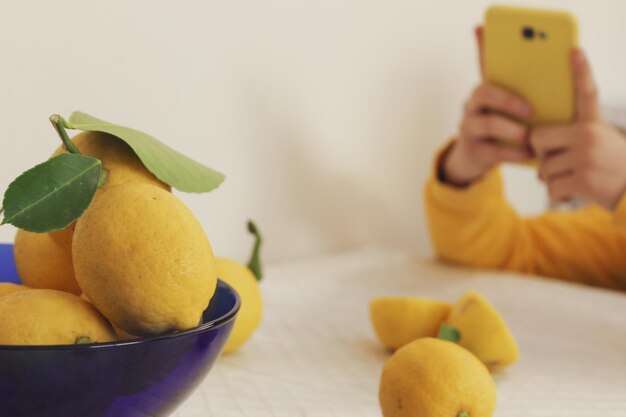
point(324, 114)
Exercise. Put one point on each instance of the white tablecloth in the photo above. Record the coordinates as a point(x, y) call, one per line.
point(316, 355)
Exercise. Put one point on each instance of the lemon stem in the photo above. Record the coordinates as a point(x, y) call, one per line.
point(255, 258)
point(57, 122)
point(449, 333)
point(463, 413)
point(83, 340)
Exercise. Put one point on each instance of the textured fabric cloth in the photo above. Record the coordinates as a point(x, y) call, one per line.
point(316, 354)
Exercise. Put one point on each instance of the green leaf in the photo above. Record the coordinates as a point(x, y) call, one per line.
point(449, 333)
point(165, 163)
point(53, 194)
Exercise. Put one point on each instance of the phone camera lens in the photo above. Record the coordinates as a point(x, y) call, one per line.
point(528, 32)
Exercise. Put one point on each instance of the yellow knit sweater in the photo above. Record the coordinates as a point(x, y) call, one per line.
point(477, 226)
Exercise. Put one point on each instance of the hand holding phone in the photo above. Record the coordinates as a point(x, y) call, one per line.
point(583, 159)
point(491, 116)
point(525, 57)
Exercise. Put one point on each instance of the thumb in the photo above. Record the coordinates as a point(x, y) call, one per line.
point(478, 33)
point(587, 107)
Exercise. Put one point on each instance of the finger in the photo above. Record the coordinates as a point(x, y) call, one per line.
point(501, 153)
point(478, 33)
point(559, 165)
point(549, 140)
point(505, 153)
point(495, 127)
point(562, 189)
point(587, 107)
point(491, 97)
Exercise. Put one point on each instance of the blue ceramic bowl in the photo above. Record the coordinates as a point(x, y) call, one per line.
point(147, 377)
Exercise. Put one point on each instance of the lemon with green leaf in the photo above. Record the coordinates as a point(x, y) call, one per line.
point(119, 162)
point(53, 194)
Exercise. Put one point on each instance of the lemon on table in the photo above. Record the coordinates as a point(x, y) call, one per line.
point(143, 259)
point(7, 288)
point(245, 282)
point(483, 331)
point(400, 320)
point(435, 378)
point(50, 317)
point(120, 163)
point(42, 263)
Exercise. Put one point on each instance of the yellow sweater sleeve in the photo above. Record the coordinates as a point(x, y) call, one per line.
point(477, 226)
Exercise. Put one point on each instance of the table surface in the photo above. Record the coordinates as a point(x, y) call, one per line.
point(316, 355)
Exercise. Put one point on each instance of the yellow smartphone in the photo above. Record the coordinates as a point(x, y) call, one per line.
point(528, 52)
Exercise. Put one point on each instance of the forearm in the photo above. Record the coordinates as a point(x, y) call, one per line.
point(474, 225)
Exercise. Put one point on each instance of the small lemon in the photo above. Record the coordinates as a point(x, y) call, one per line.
point(400, 320)
point(7, 288)
point(244, 282)
point(434, 378)
point(50, 317)
point(119, 161)
point(244, 279)
point(143, 259)
point(42, 263)
point(483, 331)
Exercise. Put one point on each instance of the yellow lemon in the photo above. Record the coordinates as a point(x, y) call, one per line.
point(245, 283)
point(400, 320)
point(121, 334)
point(119, 161)
point(50, 317)
point(433, 378)
point(483, 331)
point(244, 279)
point(42, 263)
point(143, 259)
point(7, 288)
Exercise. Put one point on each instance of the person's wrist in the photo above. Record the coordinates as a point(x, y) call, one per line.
point(456, 168)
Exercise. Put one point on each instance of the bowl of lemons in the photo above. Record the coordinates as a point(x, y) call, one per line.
point(110, 302)
point(129, 376)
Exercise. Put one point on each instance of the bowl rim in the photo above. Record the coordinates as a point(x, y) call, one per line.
point(212, 324)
